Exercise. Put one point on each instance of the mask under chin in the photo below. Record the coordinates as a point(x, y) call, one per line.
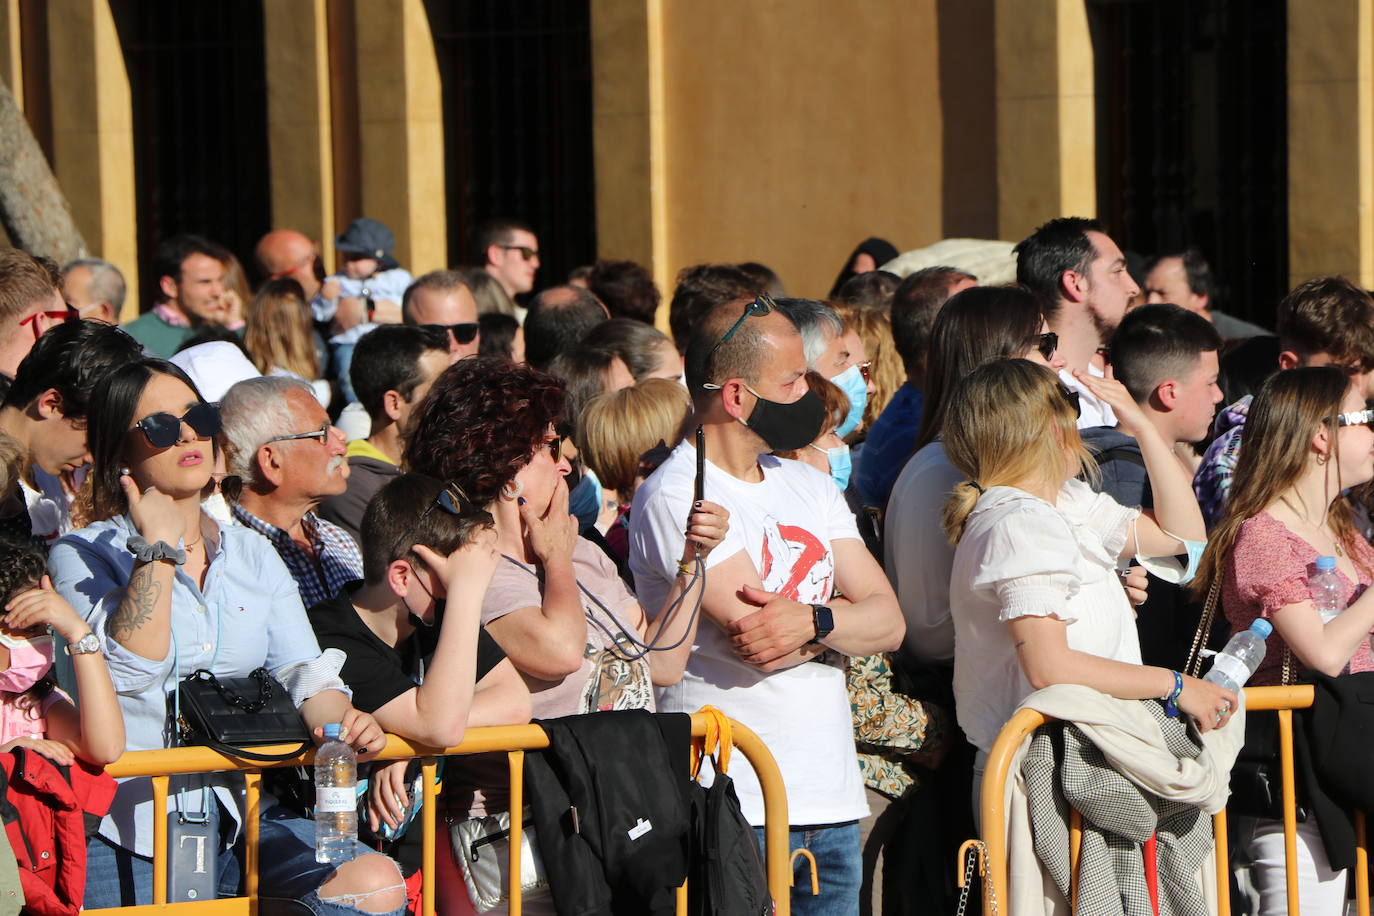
point(438, 615)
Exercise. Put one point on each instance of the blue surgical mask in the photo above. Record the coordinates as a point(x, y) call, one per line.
point(840, 465)
point(1169, 569)
point(855, 387)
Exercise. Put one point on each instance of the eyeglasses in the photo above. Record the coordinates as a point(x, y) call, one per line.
point(760, 306)
point(1047, 343)
point(1073, 398)
point(1355, 418)
point(451, 499)
point(529, 254)
point(866, 370)
point(322, 434)
point(162, 430)
point(60, 317)
point(463, 332)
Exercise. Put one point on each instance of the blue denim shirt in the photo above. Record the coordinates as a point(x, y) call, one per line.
point(248, 615)
point(890, 442)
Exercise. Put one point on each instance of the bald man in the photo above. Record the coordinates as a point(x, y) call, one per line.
point(288, 253)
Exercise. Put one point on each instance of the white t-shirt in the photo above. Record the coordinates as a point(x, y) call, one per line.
point(1020, 556)
point(786, 524)
point(1092, 412)
point(49, 506)
point(918, 556)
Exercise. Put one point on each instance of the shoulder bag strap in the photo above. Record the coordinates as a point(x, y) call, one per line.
point(1204, 628)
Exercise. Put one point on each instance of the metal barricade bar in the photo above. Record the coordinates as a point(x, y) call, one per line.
point(1280, 700)
point(514, 740)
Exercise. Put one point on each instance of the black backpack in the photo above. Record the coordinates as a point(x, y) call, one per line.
point(726, 875)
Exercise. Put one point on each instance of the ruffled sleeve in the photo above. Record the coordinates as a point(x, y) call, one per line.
point(1269, 572)
point(1099, 513)
point(1027, 562)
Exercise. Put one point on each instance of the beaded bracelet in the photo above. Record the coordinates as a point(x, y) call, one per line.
point(1171, 701)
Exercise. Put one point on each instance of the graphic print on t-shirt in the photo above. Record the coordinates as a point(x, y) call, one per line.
point(795, 563)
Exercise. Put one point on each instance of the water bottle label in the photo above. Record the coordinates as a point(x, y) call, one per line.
point(1232, 667)
point(334, 800)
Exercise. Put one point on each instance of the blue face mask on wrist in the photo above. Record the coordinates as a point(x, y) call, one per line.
point(1169, 569)
point(855, 387)
point(840, 464)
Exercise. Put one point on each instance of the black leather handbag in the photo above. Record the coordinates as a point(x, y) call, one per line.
point(227, 714)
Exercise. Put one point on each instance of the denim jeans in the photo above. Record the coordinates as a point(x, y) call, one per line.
point(839, 868)
point(286, 868)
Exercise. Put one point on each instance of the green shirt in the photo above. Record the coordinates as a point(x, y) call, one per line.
point(157, 336)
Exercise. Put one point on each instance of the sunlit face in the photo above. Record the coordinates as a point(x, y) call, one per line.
point(312, 468)
point(181, 469)
point(60, 442)
point(1197, 395)
point(669, 364)
point(1110, 287)
point(1355, 444)
point(543, 474)
point(200, 288)
point(515, 261)
point(447, 307)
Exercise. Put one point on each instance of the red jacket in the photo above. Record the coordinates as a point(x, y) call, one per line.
point(44, 809)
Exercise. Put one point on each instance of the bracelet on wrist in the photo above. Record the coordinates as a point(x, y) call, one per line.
point(1171, 698)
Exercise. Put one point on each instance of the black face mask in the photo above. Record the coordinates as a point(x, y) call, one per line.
point(419, 624)
point(786, 427)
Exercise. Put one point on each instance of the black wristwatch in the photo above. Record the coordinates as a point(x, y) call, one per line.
point(824, 619)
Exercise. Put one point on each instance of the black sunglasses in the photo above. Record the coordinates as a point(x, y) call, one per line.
point(451, 499)
point(462, 332)
point(1047, 343)
point(1073, 397)
point(163, 429)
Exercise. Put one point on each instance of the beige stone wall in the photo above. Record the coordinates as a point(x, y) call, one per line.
point(796, 128)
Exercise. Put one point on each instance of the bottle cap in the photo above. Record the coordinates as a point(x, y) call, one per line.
point(1325, 563)
point(332, 729)
point(1261, 628)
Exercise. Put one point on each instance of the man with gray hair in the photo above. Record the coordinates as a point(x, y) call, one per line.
point(278, 441)
point(95, 288)
point(836, 354)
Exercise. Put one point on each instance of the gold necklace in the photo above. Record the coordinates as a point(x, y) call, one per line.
point(1335, 542)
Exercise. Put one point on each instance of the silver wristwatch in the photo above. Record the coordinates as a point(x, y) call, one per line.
point(85, 645)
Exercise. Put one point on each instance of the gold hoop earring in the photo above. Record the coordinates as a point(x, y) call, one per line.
point(1322, 459)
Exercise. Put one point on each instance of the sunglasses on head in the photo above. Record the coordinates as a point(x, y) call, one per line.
point(462, 332)
point(760, 306)
point(529, 254)
point(451, 499)
point(1073, 398)
point(1047, 343)
point(164, 429)
point(1355, 418)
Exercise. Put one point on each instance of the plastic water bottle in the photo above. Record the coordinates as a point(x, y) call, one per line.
point(336, 799)
point(1233, 665)
point(1326, 588)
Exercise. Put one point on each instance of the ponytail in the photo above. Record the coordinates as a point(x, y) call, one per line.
point(958, 507)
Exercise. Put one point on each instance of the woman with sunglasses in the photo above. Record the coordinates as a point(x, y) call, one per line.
point(975, 327)
point(168, 591)
point(1307, 441)
point(1034, 592)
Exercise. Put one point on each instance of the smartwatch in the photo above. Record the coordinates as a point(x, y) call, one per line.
point(824, 620)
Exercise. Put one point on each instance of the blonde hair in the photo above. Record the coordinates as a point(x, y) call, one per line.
point(874, 328)
point(1009, 424)
point(278, 333)
point(1277, 448)
point(617, 428)
point(488, 292)
point(12, 460)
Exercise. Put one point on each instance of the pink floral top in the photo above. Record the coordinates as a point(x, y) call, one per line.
point(1268, 569)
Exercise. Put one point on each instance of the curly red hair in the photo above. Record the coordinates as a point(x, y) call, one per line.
point(480, 422)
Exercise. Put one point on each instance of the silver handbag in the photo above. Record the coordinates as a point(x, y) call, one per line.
point(482, 847)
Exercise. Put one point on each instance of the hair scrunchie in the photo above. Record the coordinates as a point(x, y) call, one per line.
point(977, 486)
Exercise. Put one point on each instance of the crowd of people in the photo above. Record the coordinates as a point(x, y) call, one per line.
point(427, 504)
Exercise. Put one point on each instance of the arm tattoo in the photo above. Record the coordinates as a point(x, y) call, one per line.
point(140, 600)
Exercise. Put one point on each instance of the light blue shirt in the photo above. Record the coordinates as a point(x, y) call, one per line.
point(248, 615)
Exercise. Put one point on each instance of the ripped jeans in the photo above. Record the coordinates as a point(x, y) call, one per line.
point(286, 865)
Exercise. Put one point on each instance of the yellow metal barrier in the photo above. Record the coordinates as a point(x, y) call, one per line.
point(1280, 700)
point(513, 739)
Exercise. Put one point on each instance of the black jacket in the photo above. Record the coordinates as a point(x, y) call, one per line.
point(1331, 744)
point(610, 801)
